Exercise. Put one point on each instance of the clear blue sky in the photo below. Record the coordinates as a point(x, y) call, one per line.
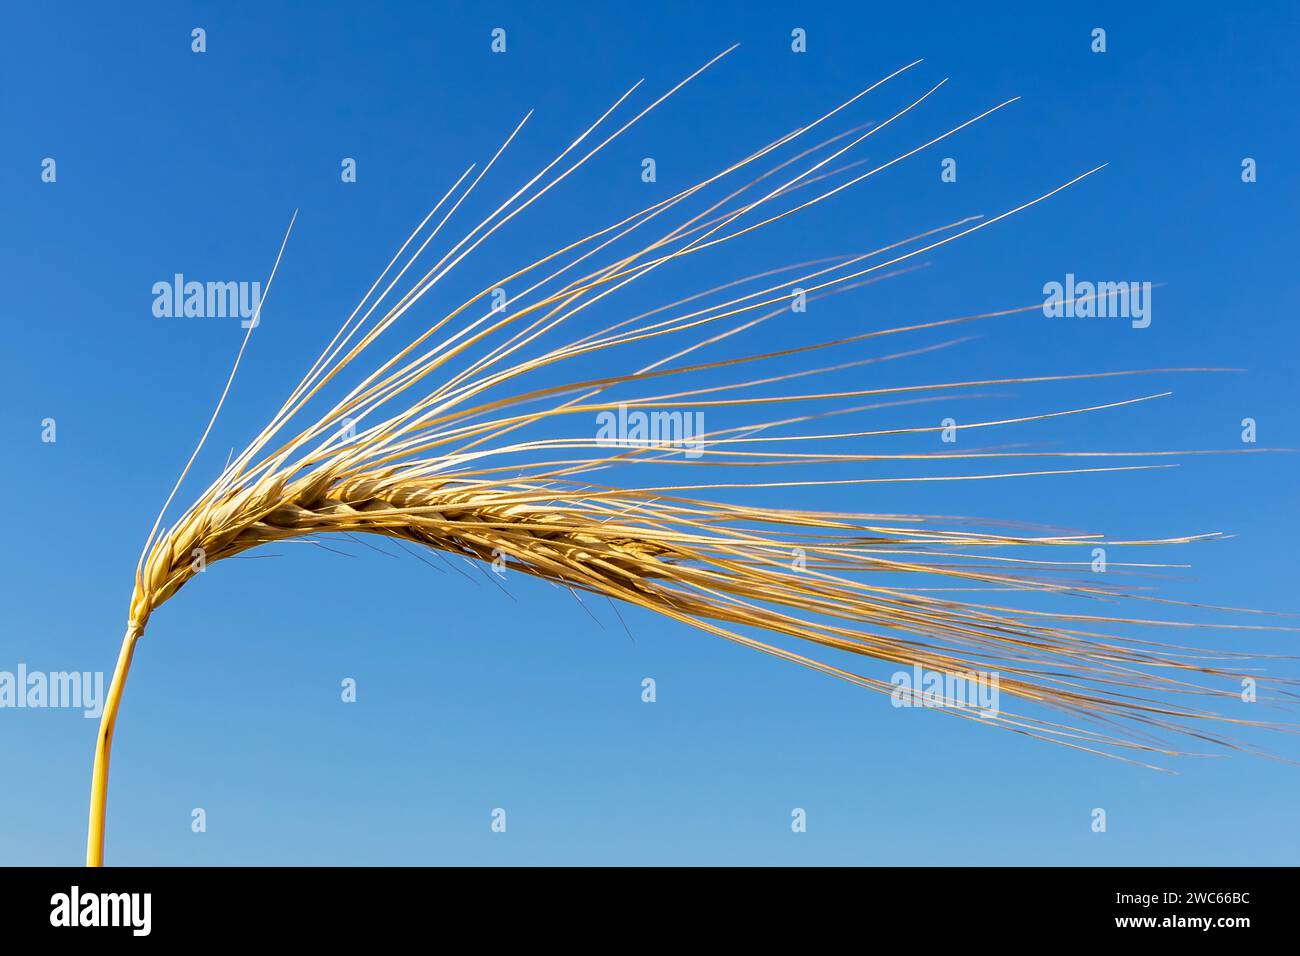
point(170, 161)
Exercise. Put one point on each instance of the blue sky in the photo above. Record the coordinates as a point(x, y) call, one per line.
point(170, 161)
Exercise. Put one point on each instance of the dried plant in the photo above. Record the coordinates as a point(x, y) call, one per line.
point(433, 449)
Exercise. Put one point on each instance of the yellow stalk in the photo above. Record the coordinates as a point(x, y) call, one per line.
point(103, 748)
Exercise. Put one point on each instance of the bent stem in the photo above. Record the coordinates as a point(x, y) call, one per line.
point(104, 746)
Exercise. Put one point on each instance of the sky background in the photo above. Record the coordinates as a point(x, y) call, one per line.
point(170, 161)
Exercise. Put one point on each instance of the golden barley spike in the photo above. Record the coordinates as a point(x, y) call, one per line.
point(435, 461)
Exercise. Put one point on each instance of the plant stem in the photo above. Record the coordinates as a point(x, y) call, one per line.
point(103, 747)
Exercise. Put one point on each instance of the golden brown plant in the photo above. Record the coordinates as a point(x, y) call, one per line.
point(430, 449)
